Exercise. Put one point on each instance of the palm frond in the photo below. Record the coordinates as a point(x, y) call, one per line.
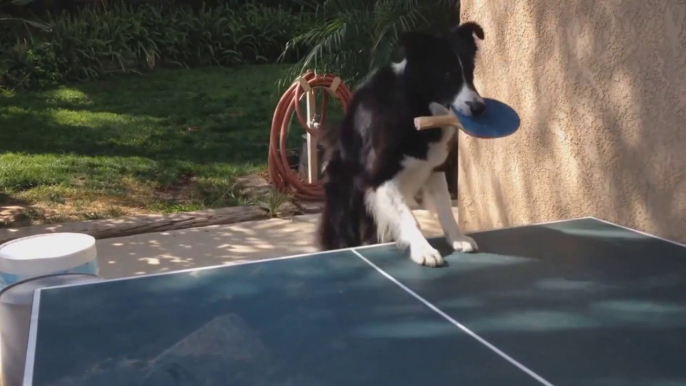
point(352, 37)
point(38, 24)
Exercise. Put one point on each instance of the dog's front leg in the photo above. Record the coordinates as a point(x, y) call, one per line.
point(395, 220)
point(437, 193)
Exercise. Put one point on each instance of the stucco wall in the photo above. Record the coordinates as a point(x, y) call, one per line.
point(600, 86)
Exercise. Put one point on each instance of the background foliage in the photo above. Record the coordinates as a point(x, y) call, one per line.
point(346, 37)
point(100, 40)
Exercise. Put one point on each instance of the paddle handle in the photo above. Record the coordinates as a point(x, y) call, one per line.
point(431, 122)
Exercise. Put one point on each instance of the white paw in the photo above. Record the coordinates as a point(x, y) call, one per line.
point(426, 255)
point(464, 243)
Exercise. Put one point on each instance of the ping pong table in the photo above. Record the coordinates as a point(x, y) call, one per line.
point(576, 302)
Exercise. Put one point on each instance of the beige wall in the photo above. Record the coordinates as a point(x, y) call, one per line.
point(600, 86)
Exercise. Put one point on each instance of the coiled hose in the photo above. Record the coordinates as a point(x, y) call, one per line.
point(280, 173)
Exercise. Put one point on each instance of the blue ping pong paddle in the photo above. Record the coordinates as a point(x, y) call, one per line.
point(497, 121)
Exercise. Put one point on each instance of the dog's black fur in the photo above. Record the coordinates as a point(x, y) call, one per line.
point(368, 148)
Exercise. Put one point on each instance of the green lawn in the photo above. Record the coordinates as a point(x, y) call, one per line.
point(156, 143)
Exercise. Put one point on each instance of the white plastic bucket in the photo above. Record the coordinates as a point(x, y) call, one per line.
point(15, 316)
point(47, 254)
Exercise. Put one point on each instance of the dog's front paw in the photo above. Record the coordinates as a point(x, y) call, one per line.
point(464, 243)
point(426, 255)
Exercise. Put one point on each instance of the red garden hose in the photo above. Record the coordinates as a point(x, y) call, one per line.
point(282, 176)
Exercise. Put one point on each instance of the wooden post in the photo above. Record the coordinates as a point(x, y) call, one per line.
point(312, 155)
point(455, 187)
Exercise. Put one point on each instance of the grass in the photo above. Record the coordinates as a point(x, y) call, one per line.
point(163, 142)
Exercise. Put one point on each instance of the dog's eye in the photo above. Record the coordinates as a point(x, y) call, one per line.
point(448, 75)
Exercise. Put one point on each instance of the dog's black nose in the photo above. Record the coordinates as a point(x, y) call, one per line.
point(476, 108)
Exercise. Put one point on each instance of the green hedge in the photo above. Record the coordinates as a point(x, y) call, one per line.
point(95, 42)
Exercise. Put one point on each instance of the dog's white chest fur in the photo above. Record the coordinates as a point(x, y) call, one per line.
point(416, 172)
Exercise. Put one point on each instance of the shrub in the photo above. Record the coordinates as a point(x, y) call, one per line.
point(96, 41)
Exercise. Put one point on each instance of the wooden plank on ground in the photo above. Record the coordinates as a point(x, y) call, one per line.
point(127, 226)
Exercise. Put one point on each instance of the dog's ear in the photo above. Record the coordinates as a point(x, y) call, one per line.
point(470, 30)
point(414, 44)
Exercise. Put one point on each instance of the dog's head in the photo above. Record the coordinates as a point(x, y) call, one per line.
point(440, 69)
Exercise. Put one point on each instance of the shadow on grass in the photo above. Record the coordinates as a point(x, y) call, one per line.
point(203, 115)
point(173, 140)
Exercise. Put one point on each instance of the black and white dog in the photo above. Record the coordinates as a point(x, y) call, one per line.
point(377, 161)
